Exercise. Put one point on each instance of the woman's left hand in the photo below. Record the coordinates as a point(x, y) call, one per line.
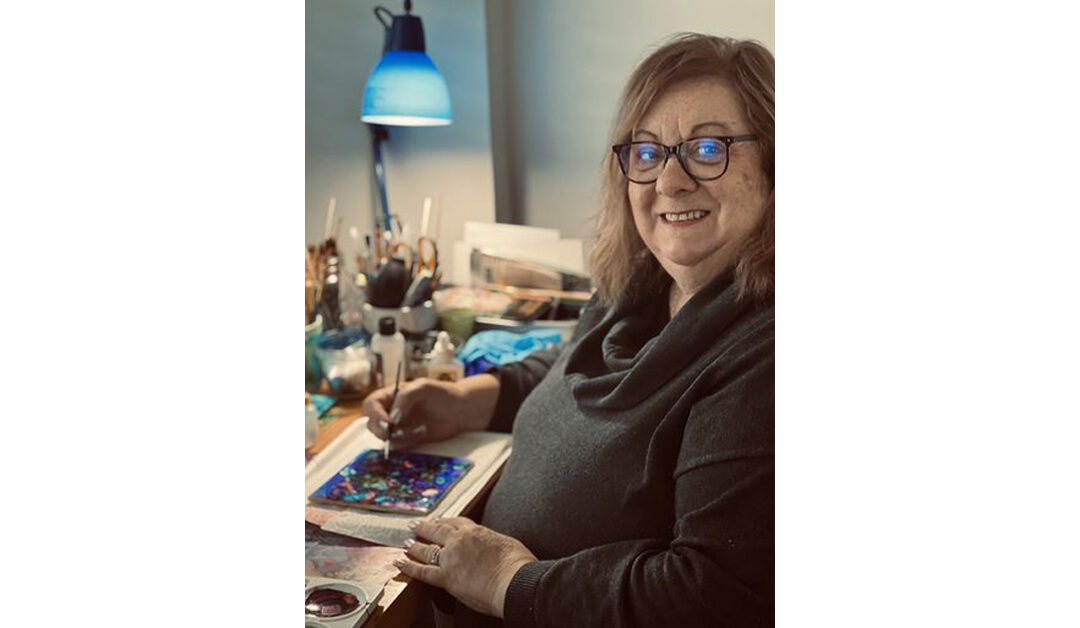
point(473, 563)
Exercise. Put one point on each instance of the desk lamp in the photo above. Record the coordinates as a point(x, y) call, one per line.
point(404, 89)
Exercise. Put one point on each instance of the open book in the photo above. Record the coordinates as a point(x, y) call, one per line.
point(487, 451)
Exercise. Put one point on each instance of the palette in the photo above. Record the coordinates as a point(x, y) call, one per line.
point(330, 603)
point(409, 483)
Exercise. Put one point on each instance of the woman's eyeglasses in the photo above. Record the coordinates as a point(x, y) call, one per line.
point(703, 158)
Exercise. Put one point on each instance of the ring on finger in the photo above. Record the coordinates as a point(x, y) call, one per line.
point(434, 560)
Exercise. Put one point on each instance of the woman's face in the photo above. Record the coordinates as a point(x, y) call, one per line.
point(705, 245)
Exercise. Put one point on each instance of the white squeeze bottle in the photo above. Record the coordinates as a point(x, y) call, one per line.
point(390, 344)
point(442, 365)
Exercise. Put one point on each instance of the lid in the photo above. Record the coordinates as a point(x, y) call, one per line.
point(387, 327)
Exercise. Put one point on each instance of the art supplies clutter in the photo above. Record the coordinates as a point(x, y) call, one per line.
point(397, 276)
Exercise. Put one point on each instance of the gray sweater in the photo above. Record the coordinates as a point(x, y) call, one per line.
point(642, 471)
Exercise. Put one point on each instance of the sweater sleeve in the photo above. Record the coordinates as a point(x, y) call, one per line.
point(516, 381)
point(717, 569)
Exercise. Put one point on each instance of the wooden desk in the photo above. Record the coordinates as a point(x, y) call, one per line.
point(337, 418)
point(405, 602)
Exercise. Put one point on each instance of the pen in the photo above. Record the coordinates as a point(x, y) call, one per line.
point(393, 406)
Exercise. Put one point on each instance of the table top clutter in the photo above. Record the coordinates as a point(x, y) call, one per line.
point(334, 555)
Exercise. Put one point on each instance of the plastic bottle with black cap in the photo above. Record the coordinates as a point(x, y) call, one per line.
point(389, 344)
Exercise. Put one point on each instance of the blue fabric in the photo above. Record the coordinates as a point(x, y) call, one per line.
point(488, 349)
point(322, 403)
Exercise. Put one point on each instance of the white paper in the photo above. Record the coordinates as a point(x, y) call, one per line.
point(460, 273)
point(559, 254)
point(486, 450)
point(491, 233)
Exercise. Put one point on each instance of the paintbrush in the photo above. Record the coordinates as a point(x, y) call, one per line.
point(328, 225)
point(425, 217)
point(393, 408)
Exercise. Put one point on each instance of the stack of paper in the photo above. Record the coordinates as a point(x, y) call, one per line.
point(530, 244)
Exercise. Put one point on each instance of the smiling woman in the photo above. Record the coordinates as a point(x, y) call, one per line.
point(713, 98)
point(640, 487)
point(697, 211)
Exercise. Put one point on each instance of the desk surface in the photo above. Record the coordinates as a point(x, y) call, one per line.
point(404, 600)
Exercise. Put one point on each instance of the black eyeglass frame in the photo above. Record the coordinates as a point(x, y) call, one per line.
point(728, 140)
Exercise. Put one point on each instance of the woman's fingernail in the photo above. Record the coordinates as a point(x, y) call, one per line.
point(397, 562)
point(413, 524)
point(409, 543)
point(395, 416)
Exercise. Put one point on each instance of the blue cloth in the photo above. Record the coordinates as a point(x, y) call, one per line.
point(487, 349)
point(322, 403)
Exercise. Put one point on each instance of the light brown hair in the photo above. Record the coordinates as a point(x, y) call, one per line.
point(619, 257)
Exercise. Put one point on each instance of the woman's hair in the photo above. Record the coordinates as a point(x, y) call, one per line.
point(619, 257)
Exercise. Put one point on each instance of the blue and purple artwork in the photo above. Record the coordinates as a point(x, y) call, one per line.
point(411, 483)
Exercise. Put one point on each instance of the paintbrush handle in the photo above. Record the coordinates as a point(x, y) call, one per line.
point(393, 406)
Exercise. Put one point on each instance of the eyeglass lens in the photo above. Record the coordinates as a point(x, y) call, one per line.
point(703, 158)
point(330, 603)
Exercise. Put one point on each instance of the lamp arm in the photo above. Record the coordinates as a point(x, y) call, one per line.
point(378, 135)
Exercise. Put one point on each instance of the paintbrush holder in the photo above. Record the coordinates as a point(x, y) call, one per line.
point(415, 320)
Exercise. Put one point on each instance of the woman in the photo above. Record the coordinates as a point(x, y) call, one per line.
point(640, 489)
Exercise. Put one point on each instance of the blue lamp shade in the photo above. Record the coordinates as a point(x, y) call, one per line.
point(406, 89)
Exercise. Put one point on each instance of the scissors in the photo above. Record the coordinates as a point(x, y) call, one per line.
point(423, 260)
point(426, 276)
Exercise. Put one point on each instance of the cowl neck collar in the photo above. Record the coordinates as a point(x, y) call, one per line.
point(634, 349)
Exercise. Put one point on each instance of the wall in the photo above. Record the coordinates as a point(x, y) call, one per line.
point(452, 164)
point(556, 78)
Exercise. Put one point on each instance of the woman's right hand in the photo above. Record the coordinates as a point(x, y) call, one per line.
point(430, 410)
